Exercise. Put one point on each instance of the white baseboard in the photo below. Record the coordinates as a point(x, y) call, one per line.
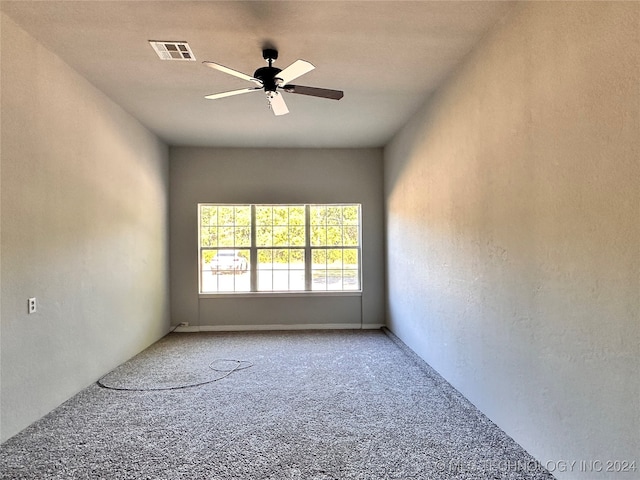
point(303, 326)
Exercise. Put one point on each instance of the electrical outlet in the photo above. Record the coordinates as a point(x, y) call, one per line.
point(183, 324)
point(32, 305)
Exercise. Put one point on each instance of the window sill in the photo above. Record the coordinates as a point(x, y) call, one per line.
point(351, 293)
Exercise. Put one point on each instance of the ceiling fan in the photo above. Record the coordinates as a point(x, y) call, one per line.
point(274, 81)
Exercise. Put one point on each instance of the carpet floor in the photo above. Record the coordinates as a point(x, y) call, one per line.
point(315, 405)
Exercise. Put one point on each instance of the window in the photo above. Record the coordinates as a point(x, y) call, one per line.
point(279, 248)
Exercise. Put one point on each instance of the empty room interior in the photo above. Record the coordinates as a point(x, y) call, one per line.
point(457, 181)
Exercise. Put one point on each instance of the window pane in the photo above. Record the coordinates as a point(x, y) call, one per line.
point(265, 259)
point(280, 236)
point(243, 216)
point(319, 258)
point(350, 258)
point(208, 215)
point(339, 280)
point(226, 236)
point(225, 270)
point(334, 236)
point(209, 237)
point(296, 215)
point(208, 279)
point(241, 271)
point(350, 279)
point(225, 215)
point(296, 259)
point(318, 214)
point(243, 237)
point(318, 236)
point(280, 225)
point(350, 235)
point(207, 256)
point(230, 261)
point(334, 216)
point(335, 269)
point(265, 280)
point(264, 236)
point(280, 259)
point(296, 280)
point(265, 270)
point(280, 280)
point(296, 236)
point(350, 215)
point(334, 279)
point(280, 215)
point(319, 280)
point(281, 269)
point(334, 258)
point(264, 215)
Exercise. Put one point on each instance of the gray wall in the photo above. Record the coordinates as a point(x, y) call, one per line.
point(513, 230)
point(84, 230)
point(200, 175)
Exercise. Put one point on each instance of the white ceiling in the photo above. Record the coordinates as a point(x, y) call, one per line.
point(386, 56)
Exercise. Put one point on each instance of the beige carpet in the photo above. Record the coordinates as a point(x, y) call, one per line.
point(303, 405)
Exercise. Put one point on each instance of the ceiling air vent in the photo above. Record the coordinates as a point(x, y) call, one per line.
point(173, 50)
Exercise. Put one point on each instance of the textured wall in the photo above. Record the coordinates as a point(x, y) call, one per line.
point(84, 230)
point(201, 175)
point(513, 230)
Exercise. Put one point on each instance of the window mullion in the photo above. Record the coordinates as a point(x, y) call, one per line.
point(307, 248)
point(253, 253)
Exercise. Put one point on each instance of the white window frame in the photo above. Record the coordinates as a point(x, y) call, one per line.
point(308, 248)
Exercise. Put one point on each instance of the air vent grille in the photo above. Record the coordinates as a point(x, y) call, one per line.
point(169, 50)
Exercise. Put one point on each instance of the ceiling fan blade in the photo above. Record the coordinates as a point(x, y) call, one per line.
point(295, 70)
point(314, 91)
point(215, 96)
point(277, 103)
point(231, 71)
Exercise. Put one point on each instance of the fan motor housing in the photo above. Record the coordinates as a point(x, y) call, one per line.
point(269, 54)
point(268, 77)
